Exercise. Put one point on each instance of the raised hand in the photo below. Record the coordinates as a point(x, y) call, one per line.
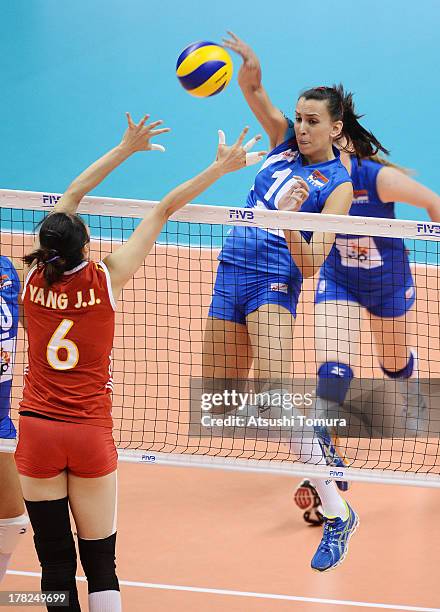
point(138, 135)
point(295, 196)
point(249, 74)
point(236, 156)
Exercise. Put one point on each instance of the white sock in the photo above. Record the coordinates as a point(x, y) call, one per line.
point(333, 504)
point(4, 560)
point(105, 601)
point(309, 451)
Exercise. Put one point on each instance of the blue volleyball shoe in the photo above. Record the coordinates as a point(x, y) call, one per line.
point(333, 547)
point(330, 453)
point(7, 429)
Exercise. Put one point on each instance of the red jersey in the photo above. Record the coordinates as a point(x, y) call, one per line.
point(70, 329)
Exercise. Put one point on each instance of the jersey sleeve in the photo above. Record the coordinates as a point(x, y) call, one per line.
point(366, 174)
point(373, 170)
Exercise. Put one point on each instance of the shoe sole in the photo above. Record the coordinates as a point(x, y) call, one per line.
point(342, 559)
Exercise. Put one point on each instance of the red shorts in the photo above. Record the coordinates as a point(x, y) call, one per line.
point(46, 448)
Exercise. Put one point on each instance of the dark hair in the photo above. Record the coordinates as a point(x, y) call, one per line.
point(62, 239)
point(341, 108)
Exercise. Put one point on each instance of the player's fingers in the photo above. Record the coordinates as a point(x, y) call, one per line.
point(157, 147)
point(250, 143)
point(302, 194)
point(242, 136)
point(231, 45)
point(129, 120)
point(301, 182)
point(232, 35)
point(254, 158)
point(221, 137)
point(155, 124)
point(143, 120)
point(161, 131)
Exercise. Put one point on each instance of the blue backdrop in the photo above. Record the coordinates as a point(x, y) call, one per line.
point(70, 70)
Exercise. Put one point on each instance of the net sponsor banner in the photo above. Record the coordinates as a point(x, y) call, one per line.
point(281, 410)
point(226, 215)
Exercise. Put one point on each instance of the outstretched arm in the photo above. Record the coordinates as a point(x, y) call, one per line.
point(394, 186)
point(136, 138)
point(125, 261)
point(270, 117)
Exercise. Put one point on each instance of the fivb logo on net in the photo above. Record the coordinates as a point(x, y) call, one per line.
point(148, 458)
point(241, 214)
point(430, 229)
point(50, 199)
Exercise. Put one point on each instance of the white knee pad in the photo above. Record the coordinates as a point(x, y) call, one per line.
point(10, 531)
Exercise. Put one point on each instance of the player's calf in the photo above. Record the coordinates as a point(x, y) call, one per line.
point(414, 408)
point(55, 548)
point(98, 561)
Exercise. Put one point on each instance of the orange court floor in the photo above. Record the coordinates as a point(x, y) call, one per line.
point(204, 540)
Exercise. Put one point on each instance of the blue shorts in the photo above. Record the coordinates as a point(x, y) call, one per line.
point(7, 429)
point(388, 301)
point(238, 292)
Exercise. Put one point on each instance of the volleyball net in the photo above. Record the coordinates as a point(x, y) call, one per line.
point(166, 381)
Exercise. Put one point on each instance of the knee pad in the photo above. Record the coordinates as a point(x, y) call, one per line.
point(98, 561)
point(334, 380)
point(405, 372)
point(10, 531)
point(55, 547)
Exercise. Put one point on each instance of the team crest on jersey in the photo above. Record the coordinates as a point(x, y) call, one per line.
point(5, 360)
point(290, 155)
point(358, 251)
point(317, 179)
point(5, 281)
point(360, 196)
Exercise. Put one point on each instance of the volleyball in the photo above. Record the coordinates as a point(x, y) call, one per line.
point(204, 69)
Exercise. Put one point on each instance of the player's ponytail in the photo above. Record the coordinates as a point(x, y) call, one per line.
point(62, 240)
point(386, 162)
point(340, 105)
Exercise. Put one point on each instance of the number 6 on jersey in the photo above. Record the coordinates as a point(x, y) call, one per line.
point(59, 341)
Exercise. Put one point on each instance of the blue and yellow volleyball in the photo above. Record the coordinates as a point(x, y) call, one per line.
point(204, 69)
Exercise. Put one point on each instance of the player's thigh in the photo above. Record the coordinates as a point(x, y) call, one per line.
point(44, 489)
point(11, 498)
point(337, 331)
point(93, 505)
point(271, 328)
point(227, 352)
point(393, 338)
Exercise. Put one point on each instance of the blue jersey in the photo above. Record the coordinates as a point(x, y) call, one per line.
point(266, 250)
point(9, 292)
point(364, 262)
